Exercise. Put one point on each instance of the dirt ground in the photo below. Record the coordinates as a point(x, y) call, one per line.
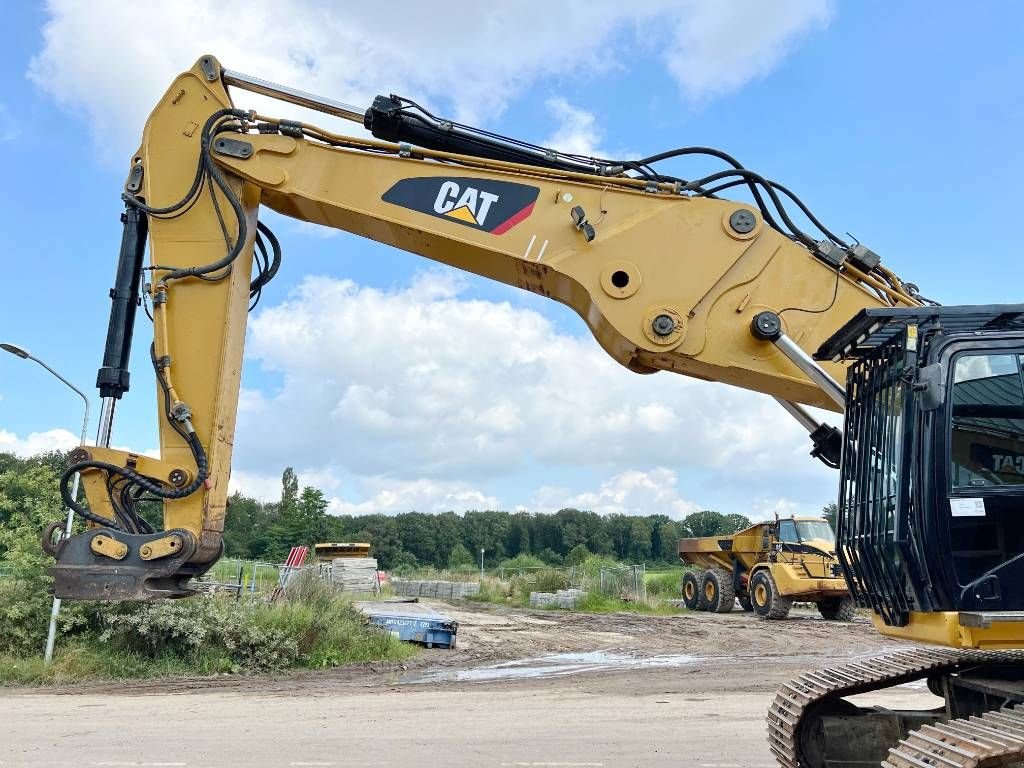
point(523, 688)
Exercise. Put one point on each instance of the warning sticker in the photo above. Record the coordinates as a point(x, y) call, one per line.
point(967, 507)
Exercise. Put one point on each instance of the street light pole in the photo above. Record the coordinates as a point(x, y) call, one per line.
point(481, 563)
point(14, 349)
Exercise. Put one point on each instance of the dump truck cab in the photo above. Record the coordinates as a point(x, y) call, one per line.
point(767, 567)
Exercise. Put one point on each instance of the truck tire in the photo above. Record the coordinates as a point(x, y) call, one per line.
point(765, 597)
point(691, 591)
point(718, 591)
point(745, 603)
point(837, 608)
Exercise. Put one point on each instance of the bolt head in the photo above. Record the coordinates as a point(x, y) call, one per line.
point(742, 221)
point(663, 325)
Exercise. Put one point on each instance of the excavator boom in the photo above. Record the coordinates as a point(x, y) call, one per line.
point(665, 280)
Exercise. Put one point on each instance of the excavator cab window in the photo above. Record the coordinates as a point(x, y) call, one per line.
point(986, 473)
point(987, 424)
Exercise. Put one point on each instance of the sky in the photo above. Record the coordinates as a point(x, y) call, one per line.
point(897, 122)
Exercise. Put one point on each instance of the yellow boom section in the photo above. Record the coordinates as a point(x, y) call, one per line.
point(664, 281)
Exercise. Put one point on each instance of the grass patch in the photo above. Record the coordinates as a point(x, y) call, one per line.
point(666, 584)
point(594, 602)
point(311, 628)
point(494, 590)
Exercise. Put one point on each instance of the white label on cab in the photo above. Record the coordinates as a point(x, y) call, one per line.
point(967, 507)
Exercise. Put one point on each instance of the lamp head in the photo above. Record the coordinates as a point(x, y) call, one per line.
point(14, 349)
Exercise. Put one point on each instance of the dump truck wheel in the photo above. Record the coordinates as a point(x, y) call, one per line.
point(837, 608)
point(718, 590)
point(745, 603)
point(691, 591)
point(765, 597)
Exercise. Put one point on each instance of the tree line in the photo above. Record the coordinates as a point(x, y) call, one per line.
point(265, 531)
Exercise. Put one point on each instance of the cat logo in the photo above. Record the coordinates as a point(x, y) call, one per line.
point(492, 206)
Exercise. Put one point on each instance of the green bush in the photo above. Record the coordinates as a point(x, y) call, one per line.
point(311, 627)
point(592, 565)
point(550, 581)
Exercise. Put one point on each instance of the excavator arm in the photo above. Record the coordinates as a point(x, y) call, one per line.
point(666, 275)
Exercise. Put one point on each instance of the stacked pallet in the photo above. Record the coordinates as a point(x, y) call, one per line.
point(440, 590)
point(566, 599)
point(355, 574)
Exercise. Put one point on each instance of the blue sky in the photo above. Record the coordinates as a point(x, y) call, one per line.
point(899, 123)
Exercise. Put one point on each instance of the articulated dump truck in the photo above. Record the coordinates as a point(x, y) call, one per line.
point(767, 567)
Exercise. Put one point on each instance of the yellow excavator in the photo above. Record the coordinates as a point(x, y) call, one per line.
point(669, 276)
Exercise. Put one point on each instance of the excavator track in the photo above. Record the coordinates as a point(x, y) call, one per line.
point(989, 740)
point(968, 744)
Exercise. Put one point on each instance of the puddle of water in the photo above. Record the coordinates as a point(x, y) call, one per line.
point(555, 665)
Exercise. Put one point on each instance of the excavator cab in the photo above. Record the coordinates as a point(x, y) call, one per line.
point(931, 507)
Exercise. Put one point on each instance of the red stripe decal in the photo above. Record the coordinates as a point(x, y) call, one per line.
point(512, 220)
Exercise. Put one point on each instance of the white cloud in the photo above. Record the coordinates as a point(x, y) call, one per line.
point(577, 132)
point(397, 388)
point(37, 442)
point(473, 61)
point(392, 497)
point(757, 36)
point(632, 492)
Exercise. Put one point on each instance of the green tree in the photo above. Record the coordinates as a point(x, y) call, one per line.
point(640, 540)
point(577, 555)
point(668, 540)
point(706, 523)
point(831, 513)
point(550, 557)
point(416, 532)
point(459, 557)
point(29, 501)
point(289, 490)
point(734, 522)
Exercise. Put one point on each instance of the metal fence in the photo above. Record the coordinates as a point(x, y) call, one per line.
point(234, 575)
point(625, 582)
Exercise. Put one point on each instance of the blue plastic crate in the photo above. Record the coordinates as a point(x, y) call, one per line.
point(432, 631)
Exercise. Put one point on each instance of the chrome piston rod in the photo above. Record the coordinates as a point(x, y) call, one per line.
point(293, 96)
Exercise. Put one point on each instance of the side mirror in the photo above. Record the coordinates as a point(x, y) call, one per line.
point(929, 387)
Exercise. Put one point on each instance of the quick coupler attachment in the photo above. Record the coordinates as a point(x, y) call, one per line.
point(107, 564)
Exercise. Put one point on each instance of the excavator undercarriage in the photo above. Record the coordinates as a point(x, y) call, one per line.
point(811, 722)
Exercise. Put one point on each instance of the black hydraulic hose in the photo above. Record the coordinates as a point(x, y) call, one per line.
point(725, 156)
point(197, 181)
point(758, 179)
point(811, 217)
point(202, 470)
point(236, 249)
point(275, 264)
